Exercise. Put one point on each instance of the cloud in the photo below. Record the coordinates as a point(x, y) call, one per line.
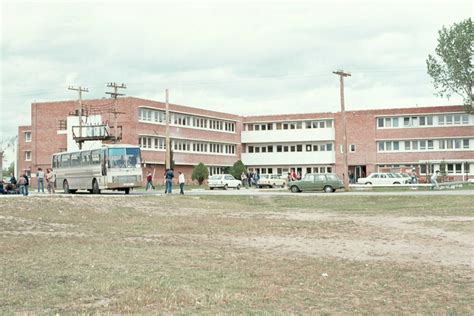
point(241, 57)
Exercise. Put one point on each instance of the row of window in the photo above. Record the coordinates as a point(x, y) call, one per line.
point(429, 144)
point(423, 121)
point(159, 143)
point(285, 170)
point(194, 146)
point(426, 169)
point(290, 148)
point(158, 116)
point(92, 157)
point(289, 125)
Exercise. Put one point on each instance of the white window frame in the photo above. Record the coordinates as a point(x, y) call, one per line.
point(27, 136)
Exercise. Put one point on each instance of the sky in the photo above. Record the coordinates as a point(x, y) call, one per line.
point(241, 57)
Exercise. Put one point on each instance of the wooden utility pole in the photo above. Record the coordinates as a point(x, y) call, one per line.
point(80, 90)
point(168, 142)
point(341, 75)
point(114, 95)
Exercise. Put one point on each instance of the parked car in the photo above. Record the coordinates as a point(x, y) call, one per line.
point(327, 182)
point(381, 178)
point(406, 178)
point(271, 181)
point(224, 181)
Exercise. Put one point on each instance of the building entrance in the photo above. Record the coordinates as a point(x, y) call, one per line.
point(357, 172)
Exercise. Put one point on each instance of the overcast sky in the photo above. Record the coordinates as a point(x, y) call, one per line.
point(240, 57)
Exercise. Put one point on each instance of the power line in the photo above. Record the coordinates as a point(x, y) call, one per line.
point(45, 92)
point(79, 90)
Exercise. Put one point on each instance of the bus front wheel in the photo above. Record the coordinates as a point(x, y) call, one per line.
point(95, 187)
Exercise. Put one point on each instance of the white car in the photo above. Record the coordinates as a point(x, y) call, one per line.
point(381, 178)
point(271, 181)
point(224, 181)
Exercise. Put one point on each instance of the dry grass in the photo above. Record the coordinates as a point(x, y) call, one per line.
point(239, 255)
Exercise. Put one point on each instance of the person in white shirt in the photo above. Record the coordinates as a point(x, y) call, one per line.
point(434, 180)
point(40, 176)
point(181, 182)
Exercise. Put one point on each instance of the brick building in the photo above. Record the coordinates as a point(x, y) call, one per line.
point(378, 140)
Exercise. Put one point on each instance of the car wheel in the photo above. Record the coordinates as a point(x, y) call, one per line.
point(396, 183)
point(294, 189)
point(238, 187)
point(368, 183)
point(226, 186)
point(95, 187)
point(211, 188)
point(328, 189)
point(127, 190)
point(66, 187)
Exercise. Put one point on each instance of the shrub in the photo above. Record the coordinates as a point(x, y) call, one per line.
point(200, 173)
point(237, 169)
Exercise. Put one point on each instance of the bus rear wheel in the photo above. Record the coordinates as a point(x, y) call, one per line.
point(66, 187)
point(95, 187)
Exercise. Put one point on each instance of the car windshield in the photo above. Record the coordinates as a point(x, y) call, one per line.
point(215, 177)
point(124, 157)
point(264, 176)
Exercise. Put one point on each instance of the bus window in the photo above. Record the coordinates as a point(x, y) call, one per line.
point(75, 159)
point(86, 158)
point(133, 157)
point(55, 162)
point(95, 157)
point(65, 160)
point(124, 157)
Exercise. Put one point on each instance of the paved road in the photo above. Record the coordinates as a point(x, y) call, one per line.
point(262, 192)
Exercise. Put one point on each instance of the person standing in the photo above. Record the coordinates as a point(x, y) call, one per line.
point(243, 177)
point(12, 179)
point(149, 181)
point(414, 178)
point(50, 180)
point(23, 186)
point(27, 183)
point(434, 180)
point(169, 175)
point(181, 182)
point(40, 176)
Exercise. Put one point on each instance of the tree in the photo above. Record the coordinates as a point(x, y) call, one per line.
point(200, 173)
point(9, 170)
point(452, 73)
point(237, 169)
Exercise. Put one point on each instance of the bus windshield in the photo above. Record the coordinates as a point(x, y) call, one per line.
point(124, 158)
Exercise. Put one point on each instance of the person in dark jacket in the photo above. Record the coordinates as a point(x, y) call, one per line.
point(12, 179)
point(169, 175)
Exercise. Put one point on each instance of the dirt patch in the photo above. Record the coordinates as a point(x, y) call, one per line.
point(388, 238)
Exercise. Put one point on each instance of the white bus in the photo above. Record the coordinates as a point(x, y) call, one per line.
point(114, 167)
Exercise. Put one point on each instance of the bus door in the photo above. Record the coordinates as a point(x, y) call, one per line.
point(103, 163)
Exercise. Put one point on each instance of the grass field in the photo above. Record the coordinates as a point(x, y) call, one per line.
point(237, 254)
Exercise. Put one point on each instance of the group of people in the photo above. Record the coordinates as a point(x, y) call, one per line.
point(168, 179)
point(249, 179)
point(294, 176)
point(434, 178)
point(21, 185)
